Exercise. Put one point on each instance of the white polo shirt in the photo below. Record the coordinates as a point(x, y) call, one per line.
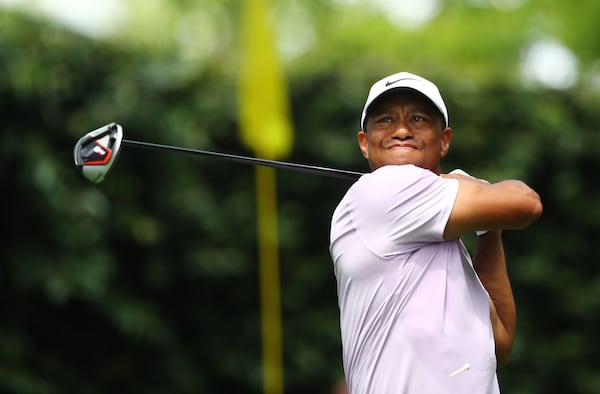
point(414, 316)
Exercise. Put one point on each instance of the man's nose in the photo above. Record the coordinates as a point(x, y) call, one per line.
point(401, 130)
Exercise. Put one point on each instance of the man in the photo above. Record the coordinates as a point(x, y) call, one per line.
point(417, 315)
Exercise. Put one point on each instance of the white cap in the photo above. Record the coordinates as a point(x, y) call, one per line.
point(407, 81)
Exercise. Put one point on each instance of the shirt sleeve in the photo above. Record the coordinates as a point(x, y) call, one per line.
point(399, 208)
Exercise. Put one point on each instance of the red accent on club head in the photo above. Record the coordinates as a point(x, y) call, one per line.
point(104, 160)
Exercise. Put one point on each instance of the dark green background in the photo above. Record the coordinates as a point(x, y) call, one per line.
point(148, 282)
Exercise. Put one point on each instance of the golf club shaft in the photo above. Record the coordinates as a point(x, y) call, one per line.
point(324, 171)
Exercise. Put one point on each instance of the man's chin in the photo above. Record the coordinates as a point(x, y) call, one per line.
point(402, 159)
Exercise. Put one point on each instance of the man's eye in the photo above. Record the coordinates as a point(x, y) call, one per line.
point(419, 118)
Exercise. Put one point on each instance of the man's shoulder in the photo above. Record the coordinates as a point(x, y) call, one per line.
point(400, 175)
point(391, 182)
point(400, 168)
point(405, 170)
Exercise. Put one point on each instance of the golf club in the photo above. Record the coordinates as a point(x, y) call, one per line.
point(96, 153)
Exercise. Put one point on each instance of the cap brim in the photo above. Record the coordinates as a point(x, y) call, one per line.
point(396, 90)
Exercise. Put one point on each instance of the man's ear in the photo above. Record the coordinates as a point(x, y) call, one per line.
point(446, 138)
point(363, 143)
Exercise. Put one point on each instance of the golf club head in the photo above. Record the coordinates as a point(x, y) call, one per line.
point(96, 152)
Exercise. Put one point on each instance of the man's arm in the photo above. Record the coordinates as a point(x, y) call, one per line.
point(479, 205)
point(493, 207)
point(490, 264)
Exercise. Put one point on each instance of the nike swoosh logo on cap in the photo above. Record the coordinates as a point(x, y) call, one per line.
point(388, 83)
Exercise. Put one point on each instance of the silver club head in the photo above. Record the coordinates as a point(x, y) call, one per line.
point(96, 152)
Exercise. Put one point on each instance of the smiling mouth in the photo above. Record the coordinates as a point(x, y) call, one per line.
point(402, 147)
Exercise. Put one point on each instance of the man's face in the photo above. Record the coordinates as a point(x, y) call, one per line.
point(404, 128)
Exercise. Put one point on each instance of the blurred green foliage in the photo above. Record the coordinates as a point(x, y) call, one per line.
point(148, 282)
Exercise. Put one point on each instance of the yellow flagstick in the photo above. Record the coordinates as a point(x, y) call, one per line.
point(269, 280)
point(266, 129)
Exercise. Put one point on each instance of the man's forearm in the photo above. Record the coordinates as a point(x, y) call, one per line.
point(490, 265)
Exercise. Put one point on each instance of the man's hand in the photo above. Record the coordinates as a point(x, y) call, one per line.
point(460, 174)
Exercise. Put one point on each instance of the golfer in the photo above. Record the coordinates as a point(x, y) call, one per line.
point(417, 314)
